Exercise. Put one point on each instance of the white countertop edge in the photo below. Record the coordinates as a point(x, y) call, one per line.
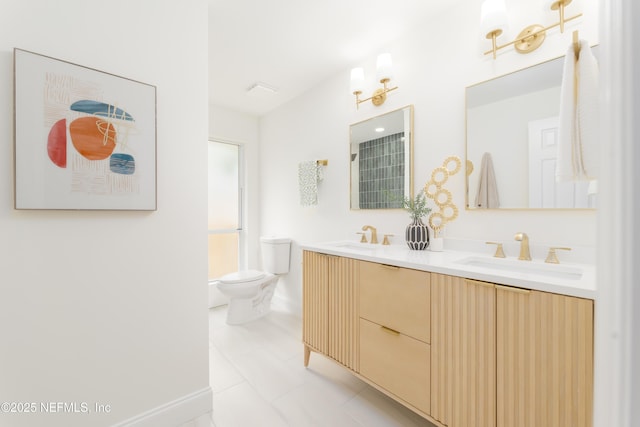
point(445, 263)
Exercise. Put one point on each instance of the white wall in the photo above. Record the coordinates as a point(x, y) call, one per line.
point(433, 65)
point(617, 334)
point(110, 307)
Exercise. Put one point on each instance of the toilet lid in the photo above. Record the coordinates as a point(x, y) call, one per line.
point(242, 276)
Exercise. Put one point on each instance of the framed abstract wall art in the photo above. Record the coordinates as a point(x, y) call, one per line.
point(84, 139)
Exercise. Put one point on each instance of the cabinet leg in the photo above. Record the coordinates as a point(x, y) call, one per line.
point(307, 353)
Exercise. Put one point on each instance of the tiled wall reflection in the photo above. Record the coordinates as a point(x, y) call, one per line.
point(382, 168)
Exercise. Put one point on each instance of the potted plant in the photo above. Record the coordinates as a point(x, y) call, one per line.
point(417, 233)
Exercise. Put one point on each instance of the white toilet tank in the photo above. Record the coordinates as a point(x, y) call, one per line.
point(275, 254)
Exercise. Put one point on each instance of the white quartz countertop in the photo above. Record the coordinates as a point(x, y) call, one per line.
point(578, 280)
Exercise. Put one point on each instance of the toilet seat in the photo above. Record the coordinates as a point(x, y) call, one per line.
point(242, 276)
point(244, 283)
point(249, 294)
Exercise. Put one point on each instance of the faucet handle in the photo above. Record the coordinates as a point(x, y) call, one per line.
point(552, 258)
point(385, 240)
point(363, 239)
point(499, 251)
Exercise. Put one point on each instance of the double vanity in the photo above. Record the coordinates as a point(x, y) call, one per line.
point(463, 339)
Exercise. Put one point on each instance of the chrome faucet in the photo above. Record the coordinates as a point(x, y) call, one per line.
point(374, 233)
point(524, 246)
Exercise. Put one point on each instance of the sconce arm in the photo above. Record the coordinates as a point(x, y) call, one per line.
point(379, 96)
point(524, 35)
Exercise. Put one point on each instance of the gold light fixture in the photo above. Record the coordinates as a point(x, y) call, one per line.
point(384, 67)
point(493, 20)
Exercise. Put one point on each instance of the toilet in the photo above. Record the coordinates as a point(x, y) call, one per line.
point(250, 291)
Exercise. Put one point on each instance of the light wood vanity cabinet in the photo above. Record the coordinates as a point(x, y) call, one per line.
point(544, 359)
point(373, 319)
point(459, 352)
point(463, 361)
point(504, 356)
point(315, 303)
point(398, 298)
point(330, 307)
point(395, 330)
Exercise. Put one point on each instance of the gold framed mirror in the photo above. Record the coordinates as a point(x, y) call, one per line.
point(512, 126)
point(381, 160)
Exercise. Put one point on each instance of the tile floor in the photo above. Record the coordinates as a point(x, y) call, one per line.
point(203, 421)
point(258, 379)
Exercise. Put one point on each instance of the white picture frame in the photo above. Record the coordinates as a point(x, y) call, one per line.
point(84, 139)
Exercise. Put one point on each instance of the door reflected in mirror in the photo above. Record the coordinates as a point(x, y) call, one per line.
point(512, 135)
point(381, 159)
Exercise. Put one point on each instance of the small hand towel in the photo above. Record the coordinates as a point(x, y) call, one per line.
point(309, 174)
point(487, 195)
point(579, 121)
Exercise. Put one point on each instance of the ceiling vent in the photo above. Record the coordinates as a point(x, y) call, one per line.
point(260, 89)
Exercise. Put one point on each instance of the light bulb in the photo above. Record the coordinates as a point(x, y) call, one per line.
point(384, 67)
point(493, 17)
point(357, 79)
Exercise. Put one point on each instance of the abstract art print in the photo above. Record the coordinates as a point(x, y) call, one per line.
point(84, 139)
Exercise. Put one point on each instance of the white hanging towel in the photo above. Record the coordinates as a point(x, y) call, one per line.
point(579, 122)
point(309, 175)
point(487, 194)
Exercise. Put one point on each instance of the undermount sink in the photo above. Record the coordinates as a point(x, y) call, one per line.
point(365, 247)
point(354, 245)
point(526, 267)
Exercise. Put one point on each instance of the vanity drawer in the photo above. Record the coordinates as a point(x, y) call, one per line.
point(398, 298)
point(396, 362)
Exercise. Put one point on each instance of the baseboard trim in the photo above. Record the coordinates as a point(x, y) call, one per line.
point(174, 413)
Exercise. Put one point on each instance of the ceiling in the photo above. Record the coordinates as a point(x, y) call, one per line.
point(293, 45)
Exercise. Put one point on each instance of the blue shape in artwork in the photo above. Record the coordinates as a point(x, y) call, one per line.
point(101, 109)
point(123, 164)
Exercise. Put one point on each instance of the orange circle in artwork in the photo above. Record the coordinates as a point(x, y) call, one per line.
point(93, 137)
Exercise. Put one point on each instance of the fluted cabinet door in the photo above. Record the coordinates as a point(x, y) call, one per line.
point(463, 352)
point(315, 301)
point(343, 311)
point(544, 359)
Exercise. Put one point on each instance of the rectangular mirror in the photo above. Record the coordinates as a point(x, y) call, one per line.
point(381, 159)
point(512, 124)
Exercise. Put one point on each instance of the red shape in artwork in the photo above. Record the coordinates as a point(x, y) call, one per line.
point(57, 143)
point(93, 137)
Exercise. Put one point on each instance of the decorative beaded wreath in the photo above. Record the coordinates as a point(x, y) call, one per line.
point(447, 210)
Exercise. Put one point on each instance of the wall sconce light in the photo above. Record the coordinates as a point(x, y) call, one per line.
point(493, 21)
point(384, 73)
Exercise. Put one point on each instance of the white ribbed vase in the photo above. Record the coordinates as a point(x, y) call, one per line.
point(417, 235)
